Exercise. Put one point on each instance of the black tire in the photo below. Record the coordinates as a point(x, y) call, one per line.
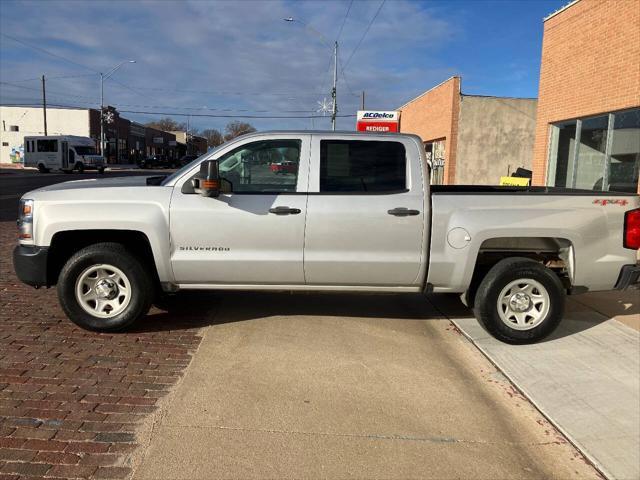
point(42, 168)
point(115, 254)
point(101, 170)
point(80, 167)
point(498, 278)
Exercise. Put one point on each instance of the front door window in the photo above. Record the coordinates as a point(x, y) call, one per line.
point(267, 166)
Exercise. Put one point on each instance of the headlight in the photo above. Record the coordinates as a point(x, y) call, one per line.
point(25, 220)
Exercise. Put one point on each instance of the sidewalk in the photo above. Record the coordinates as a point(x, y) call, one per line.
point(585, 378)
point(346, 386)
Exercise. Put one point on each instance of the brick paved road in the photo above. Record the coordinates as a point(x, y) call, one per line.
point(71, 401)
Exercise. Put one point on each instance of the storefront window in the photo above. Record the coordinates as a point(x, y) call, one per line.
point(625, 152)
point(436, 154)
point(589, 167)
point(563, 145)
point(596, 153)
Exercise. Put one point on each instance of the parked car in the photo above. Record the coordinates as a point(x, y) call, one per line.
point(158, 161)
point(358, 215)
point(283, 167)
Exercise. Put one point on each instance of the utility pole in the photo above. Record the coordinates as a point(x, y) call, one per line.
point(44, 105)
point(362, 102)
point(334, 93)
point(102, 114)
point(187, 139)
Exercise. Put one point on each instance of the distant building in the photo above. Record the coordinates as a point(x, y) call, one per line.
point(471, 139)
point(125, 141)
point(588, 118)
point(191, 144)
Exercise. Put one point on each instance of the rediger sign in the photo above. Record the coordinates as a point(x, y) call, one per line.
point(377, 121)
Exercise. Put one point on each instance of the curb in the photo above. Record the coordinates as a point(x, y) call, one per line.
point(587, 456)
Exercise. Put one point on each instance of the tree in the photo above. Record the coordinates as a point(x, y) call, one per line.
point(167, 125)
point(213, 136)
point(236, 128)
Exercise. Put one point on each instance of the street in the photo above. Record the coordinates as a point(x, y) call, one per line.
point(223, 385)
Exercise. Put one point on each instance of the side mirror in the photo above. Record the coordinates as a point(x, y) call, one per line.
point(207, 182)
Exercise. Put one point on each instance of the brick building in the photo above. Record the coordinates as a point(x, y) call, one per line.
point(160, 143)
point(125, 141)
point(471, 139)
point(588, 118)
point(189, 144)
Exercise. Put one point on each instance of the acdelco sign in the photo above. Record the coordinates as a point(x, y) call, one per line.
point(377, 121)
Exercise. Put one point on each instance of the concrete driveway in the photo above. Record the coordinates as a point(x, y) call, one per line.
point(306, 385)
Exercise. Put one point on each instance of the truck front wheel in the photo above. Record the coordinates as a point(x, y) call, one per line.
point(520, 301)
point(104, 288)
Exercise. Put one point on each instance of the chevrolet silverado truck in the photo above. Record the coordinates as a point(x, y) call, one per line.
point(357, 214)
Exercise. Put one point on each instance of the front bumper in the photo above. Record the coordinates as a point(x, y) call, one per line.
point(30, 264)
point(629, 277)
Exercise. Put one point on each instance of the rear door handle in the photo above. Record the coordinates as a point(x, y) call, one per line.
point(403, 212)
point(284, 211)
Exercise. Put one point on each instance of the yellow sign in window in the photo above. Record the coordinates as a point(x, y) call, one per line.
point(514, 181)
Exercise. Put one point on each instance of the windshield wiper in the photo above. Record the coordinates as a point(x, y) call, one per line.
point(157, 180)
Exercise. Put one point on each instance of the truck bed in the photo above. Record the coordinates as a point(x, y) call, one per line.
point(534, 190)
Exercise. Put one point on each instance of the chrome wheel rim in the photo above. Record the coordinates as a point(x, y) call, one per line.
point(523, 304)
point(103, 291)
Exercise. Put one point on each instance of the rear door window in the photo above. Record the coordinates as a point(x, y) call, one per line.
point(359, 166)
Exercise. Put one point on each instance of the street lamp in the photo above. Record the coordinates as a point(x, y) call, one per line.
point(103, 77)
point(334, 92)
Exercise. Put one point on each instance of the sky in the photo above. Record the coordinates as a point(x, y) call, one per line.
point(241, 59)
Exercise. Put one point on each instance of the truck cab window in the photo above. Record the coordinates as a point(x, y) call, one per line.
point(362, 166)
point(268, 166)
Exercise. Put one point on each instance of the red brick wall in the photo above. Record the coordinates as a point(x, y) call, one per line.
point(590, 65)
point(434, 116)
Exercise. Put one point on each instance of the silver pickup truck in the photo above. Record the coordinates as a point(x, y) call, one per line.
point(324, 211)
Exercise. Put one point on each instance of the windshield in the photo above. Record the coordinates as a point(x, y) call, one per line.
point(85, 150)
point(178, 173)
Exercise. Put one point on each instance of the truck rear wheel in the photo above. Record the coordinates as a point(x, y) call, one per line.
point(42, 168)
point(104, 288)
point(520, 301)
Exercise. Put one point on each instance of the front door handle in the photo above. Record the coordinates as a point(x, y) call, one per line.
point(403, 212)
point(284, 211)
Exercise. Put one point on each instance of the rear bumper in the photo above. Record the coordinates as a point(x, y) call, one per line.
point(629, 277)
point(30, 264)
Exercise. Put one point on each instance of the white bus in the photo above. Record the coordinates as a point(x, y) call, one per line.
point(65, 153)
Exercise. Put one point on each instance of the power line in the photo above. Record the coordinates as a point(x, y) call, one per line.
point(53, 92)
point(344, 20)
point(364, 34)
point(48, 52)
point(52, 77)
point(230, 116)
point(134, 90)
point(221, 93)
point(180, 114)
point(344, 77)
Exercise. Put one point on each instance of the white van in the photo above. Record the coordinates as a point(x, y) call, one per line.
point(66, 153)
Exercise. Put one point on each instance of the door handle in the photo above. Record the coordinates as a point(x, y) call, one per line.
point(403, 212)
point(284, 211)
